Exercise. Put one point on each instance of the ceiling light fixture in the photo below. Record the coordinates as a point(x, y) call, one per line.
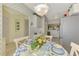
point(41, 9)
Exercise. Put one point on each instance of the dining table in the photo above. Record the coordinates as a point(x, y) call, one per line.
point(47, 49)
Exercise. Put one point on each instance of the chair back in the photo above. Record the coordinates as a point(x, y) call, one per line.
point(74, 49)
point(19, 41)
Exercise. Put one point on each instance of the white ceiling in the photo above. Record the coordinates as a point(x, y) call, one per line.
point(55, 9)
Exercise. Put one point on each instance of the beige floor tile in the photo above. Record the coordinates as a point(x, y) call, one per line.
point(10, 48)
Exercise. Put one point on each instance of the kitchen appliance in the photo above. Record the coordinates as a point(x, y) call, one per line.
point(69, 30)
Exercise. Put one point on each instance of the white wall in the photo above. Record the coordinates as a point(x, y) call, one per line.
point(53, 21)
point(74, 9)
point(16, 8)
point(2, 41)
point(0, 21)
point(38, 26)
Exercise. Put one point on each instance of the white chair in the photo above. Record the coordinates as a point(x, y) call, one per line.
point(49, 38)
point(19, 41)
point(74, 49)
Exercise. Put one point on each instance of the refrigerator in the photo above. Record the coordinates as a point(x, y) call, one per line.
point(69, 31)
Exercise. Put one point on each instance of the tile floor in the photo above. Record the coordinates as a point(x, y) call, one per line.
point(10, 48)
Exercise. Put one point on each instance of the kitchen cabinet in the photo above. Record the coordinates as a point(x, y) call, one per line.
point(54, 29)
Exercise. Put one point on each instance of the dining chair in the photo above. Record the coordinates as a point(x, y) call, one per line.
point(74, 49)
point(19, 41)
point(49, 38)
